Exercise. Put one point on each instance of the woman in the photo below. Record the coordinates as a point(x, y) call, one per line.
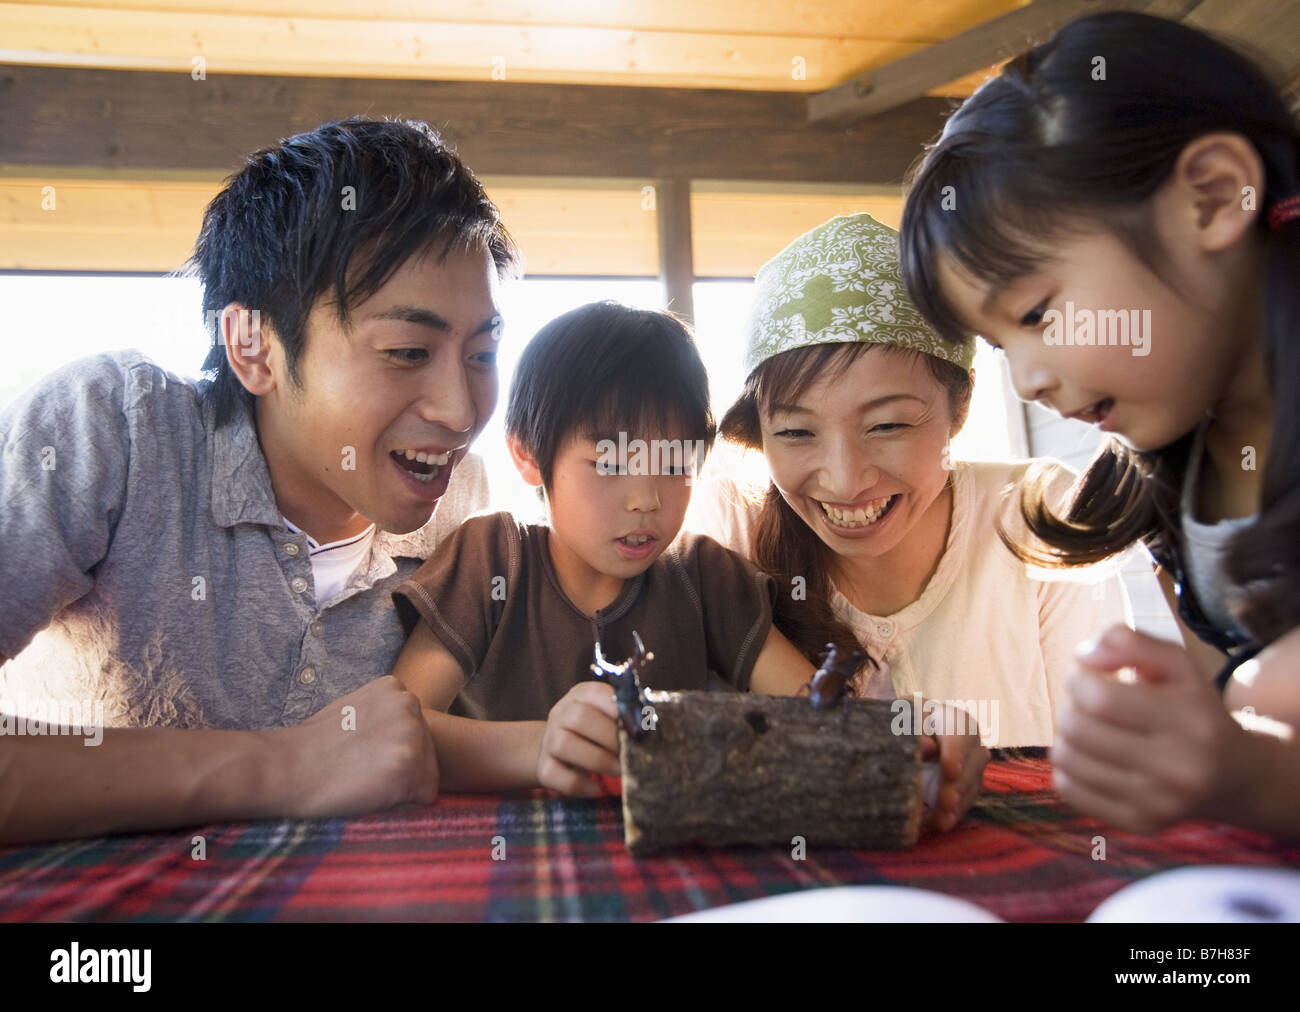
point(871, 531)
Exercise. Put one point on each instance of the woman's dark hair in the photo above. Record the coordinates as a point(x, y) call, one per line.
point(783, 544)
point(338, 209)
point(1051, 144)
point(606, 368)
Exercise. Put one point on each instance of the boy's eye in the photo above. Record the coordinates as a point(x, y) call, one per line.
point(889, 427)
point(486, 358)
point(408, 356)
point(793, 433)
point(1034, 317)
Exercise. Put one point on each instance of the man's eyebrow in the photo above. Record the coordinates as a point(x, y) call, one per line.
point(797, 409)
point(428, 318)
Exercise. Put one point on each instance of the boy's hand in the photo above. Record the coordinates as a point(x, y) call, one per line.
point(961, 761)
point(1144, 755)
point(581, 738)
point(387, 760)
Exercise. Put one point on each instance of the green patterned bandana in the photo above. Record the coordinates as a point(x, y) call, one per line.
point(840, 282)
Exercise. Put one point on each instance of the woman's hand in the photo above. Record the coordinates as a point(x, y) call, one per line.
point(961, 762)
point(1143, 755)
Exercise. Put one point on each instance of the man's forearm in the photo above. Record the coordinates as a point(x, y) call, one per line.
point(139, 779)
point(485, 755)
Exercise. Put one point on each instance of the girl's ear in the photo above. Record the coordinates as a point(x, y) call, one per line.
point(1214, 192)
point(524, 462)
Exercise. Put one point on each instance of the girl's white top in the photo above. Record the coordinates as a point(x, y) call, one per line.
point(988, 633)
point(1205, 546)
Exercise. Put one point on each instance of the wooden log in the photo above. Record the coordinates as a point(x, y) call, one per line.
point(721, 768)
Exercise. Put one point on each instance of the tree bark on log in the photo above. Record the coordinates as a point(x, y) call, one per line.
point(719, 769)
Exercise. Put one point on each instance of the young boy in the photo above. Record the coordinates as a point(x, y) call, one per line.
point(609, 413)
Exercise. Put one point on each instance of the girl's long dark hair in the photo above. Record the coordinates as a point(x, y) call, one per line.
point(783, 545)
point(1050, 144)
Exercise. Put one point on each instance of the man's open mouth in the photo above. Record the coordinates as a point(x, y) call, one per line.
point(421, 465)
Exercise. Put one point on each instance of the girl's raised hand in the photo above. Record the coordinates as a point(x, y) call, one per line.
point(1143, 755)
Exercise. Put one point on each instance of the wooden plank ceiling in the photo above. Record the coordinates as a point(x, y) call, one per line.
point(805, 46)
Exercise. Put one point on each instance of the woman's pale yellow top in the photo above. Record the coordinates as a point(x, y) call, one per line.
point(987, 633)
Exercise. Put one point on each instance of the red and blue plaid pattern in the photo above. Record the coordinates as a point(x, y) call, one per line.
point(1020, 853)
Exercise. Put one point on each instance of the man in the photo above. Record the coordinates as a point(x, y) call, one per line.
point(207, 569)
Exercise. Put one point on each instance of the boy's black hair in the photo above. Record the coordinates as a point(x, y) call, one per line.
point(606, 368)
point(337, 211)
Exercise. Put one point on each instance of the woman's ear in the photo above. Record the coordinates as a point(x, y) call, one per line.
point(962, 410)
point(524, 462)
point(1214, 193)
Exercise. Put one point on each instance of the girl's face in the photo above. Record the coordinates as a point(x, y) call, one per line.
point(863, 454)
point(1149, 386)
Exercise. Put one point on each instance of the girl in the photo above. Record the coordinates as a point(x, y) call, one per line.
point(1119, 211)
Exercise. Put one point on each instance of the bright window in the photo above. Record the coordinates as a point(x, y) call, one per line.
point(56, 319)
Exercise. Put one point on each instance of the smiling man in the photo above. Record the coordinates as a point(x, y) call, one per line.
point(209, 567)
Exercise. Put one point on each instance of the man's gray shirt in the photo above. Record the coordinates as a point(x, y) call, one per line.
point(145, 566)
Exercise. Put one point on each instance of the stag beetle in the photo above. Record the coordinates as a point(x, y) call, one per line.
point(832, 682)
point(627, 686)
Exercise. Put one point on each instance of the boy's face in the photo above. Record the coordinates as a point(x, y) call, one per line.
point(415, 371)
point(614, 525)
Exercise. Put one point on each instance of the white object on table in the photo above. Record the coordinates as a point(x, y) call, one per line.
point(846, 905)
point(931, 777)
point(1217, 894)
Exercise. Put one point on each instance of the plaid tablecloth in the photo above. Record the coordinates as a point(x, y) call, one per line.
point(1019, 853)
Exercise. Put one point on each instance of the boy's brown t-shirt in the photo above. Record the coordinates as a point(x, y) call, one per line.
point(491, 595)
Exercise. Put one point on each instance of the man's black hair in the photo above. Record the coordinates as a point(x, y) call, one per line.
point(606, 368)
point(355, 199)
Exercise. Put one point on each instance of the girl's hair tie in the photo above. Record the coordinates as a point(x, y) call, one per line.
point(1283, 211)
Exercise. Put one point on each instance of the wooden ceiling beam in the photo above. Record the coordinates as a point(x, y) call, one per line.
point(995, 41)
point(76, 118)
point(1267, 30)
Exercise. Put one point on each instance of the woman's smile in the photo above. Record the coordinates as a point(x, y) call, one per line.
point(861, 517)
